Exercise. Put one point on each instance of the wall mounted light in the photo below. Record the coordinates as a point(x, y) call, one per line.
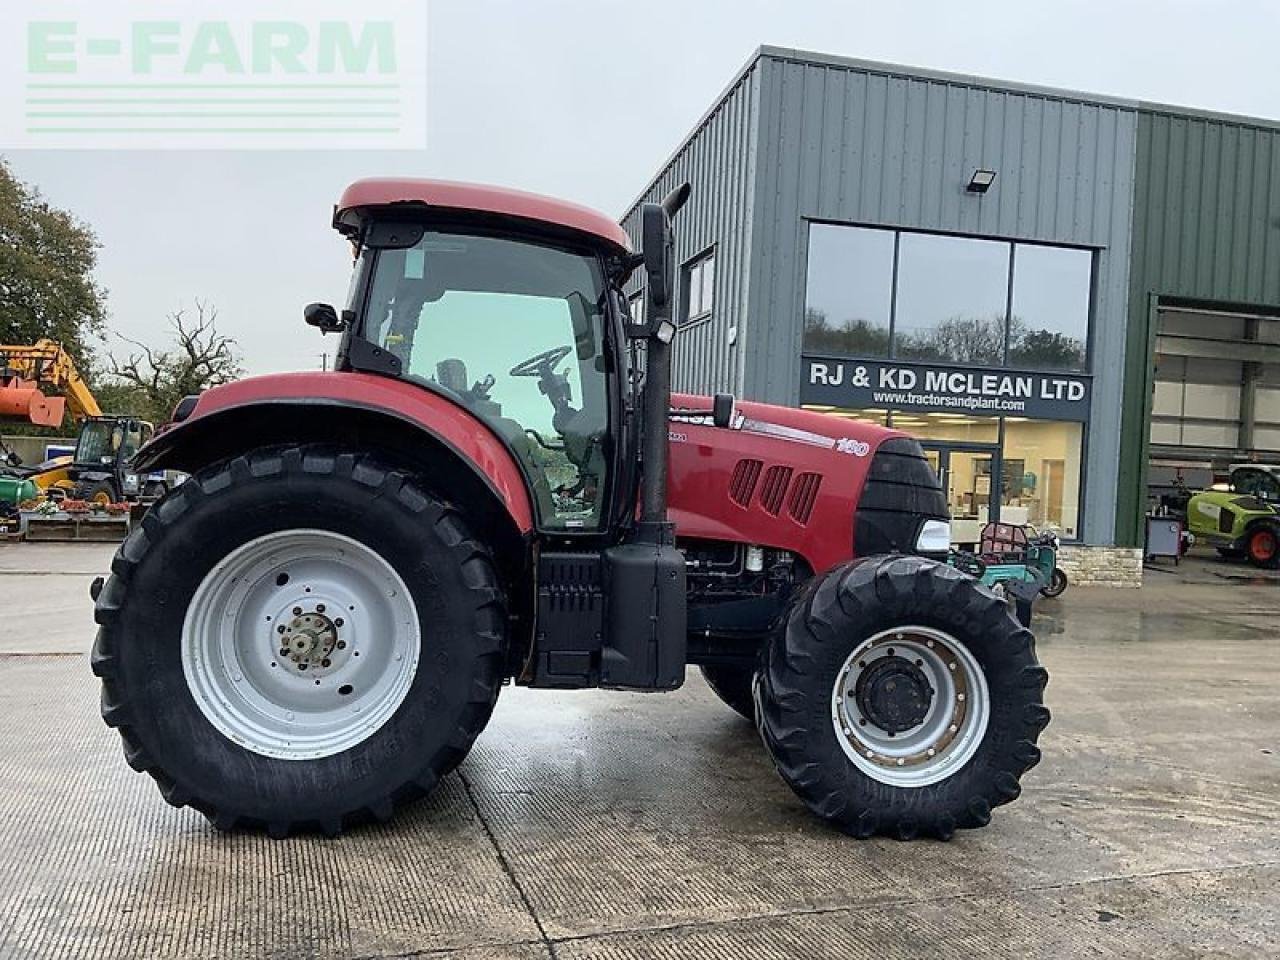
point(981, 181)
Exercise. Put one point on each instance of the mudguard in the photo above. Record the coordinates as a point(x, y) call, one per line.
point(207, 433)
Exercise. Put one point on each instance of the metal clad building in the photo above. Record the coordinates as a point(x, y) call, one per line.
point(984, 264)
point(719, 159)
point(1205, 237)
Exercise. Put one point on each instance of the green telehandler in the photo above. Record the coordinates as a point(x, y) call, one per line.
point(1242, 521)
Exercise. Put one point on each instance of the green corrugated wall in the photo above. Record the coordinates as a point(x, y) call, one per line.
point(1206, 226)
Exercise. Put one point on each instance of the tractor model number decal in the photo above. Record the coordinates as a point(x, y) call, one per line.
point(674, 437)
point(857, 448)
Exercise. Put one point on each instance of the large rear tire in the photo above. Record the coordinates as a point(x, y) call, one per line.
point(901, 698)
point(733, 686)
point(299, 639)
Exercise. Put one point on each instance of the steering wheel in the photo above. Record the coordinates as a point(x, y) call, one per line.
point(542, 441)
point(535, 365)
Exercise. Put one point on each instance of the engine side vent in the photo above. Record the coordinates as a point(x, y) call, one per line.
point(774, 489)
point(1226, 520)
point(746, 473)
point(804, 493)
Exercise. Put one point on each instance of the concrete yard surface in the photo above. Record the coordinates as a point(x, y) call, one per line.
point(593, 824)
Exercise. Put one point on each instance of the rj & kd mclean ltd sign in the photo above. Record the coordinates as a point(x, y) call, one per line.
point(886, 384)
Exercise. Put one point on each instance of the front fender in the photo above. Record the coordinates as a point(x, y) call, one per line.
point(354, 409)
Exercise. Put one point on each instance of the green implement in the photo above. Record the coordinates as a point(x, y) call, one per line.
point(1243, 521)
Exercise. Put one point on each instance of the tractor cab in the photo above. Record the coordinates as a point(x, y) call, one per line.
point(100, 468)
point(517, 331)
point(520, 325)
point(1256, 480)
point(109, 442)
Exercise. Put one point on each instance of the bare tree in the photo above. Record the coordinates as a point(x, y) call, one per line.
point(199, 358)
point(962, 339)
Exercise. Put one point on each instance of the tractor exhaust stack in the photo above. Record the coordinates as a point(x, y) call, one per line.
point(659, 262)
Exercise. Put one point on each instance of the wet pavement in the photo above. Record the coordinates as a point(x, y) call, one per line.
point(628, 825)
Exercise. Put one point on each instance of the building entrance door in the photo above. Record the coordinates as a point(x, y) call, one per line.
point(970, 474)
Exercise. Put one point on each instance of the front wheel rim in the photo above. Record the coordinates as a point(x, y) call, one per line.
point(951, 727)
point(300, 644)
point(1263, 545)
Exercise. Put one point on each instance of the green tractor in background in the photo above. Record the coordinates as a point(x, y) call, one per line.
point(1242, 521)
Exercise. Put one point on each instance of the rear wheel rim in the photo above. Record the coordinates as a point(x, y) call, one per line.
point(1262, 546)
point(300, 644)
point(950, 731)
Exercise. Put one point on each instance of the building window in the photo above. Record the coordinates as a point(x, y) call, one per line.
point(876, 293)
point(1020, 471)
point(849, 293)
point(953, 294)
point(1040, 479)
point(1049, 325)
point(699, 287)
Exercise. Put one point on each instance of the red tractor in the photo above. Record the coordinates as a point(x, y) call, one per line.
point(496, 484)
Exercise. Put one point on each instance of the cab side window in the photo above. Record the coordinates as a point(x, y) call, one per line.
point(514, 332)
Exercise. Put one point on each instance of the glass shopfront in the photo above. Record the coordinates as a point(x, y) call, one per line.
point(880, 293)
point(979, 348)
point(1011, 469)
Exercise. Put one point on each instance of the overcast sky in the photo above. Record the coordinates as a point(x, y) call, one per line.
point(584, 99)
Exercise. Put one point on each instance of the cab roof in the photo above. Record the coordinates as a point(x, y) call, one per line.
point(389, 192)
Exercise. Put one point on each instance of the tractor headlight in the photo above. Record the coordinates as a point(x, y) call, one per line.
point(934, 537)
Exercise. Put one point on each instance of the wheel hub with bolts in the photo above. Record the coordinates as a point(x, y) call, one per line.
point(910, 706)
point(309, 639)
point(893, 693)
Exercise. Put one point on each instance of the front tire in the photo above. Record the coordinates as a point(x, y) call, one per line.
point(1263, 547)
point(232, 623)
point(101, 492)
point(901, 698)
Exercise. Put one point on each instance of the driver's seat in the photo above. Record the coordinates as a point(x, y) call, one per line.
point(451, 373)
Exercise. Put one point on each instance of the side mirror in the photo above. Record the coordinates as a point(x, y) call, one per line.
point(722, 410)
point(323, 317)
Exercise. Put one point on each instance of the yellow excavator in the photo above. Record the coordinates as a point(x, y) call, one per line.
point(40, 385)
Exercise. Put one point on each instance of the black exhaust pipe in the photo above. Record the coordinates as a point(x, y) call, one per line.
point(645, 646)
point(659, 259)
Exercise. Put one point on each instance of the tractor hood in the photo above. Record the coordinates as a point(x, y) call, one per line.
point(819, 486)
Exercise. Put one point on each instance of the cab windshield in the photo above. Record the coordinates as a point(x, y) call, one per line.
point(514, 331)
point(102, 442)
